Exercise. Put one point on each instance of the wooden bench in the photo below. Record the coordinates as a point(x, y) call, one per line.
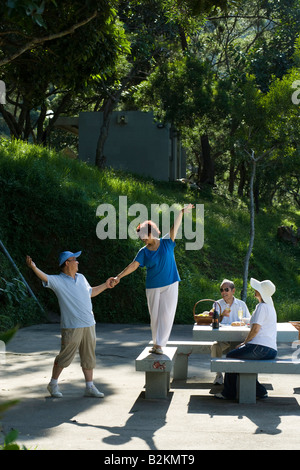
point(157, 368)
point(248, 370)
point(184, 350)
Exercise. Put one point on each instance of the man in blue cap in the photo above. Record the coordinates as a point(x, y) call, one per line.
point(77, 319)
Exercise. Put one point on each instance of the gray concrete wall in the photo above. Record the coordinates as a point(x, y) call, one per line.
point(135, 143)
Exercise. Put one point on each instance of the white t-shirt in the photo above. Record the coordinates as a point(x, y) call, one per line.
point(74, 298)
point(265, 316)
point(234, 308)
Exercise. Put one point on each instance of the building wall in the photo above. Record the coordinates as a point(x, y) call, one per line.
point(135, 143)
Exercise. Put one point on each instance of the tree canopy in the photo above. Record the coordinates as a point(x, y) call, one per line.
point(223, 73)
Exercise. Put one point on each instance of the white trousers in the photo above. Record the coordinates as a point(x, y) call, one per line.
point(162, 304)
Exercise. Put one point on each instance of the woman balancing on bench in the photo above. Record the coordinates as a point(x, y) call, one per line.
point(260, 343)
point(162, 277)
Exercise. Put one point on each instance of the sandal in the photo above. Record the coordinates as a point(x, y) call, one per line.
point(156, 350)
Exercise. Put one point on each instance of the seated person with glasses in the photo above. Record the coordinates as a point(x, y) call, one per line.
point(233, 310)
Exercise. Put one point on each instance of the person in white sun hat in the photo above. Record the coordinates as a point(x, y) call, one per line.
point(260, 343)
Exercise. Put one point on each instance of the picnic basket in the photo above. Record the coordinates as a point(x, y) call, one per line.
point(205, 320)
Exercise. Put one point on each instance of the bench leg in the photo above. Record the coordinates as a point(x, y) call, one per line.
point(157, 384)
point(247, 388)
point(180, 369)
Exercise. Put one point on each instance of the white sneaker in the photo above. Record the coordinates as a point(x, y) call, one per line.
point(220, 396)
point(218, 379)
point(93, 392)
point(54, 391)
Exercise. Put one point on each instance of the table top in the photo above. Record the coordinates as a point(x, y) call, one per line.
point(286, 333)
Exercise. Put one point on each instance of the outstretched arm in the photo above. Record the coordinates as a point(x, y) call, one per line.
point(128, 270)
point(108, 284)
point(40, 274)
point(178, 220)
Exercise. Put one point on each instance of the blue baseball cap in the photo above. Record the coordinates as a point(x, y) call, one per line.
point(66, 255)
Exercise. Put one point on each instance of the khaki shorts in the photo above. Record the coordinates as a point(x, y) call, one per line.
point(73, 339)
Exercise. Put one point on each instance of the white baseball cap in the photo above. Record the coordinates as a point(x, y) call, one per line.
point(265, 288)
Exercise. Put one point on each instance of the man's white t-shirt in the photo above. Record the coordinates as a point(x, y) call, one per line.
point(74, 298)
point(265, 316)
point(236, 305)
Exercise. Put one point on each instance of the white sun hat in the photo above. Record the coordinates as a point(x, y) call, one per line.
point(265, 288)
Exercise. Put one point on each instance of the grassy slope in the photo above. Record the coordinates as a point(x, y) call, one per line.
point(48, 204)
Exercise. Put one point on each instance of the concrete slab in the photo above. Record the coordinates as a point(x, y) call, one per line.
point(190, 419)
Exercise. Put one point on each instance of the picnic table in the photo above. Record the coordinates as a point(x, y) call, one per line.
point(175, 355)
point(247, 370)
point(286, 333)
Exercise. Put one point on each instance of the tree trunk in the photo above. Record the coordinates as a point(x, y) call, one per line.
point(256, 194)
point(44, 131)
point(108, 108)
point(208, 171)
point(10, 121)
point(242, 179)
point(252, 231)
point(107, 112)
point(252, 215)
point(231, 178)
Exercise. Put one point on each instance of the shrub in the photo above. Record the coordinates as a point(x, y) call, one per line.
point(48, 204)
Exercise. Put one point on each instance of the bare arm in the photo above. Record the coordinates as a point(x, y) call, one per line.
point(252, 333)
point(40, 274)
point(128, 270)
point(178, 220)
point(102, 287)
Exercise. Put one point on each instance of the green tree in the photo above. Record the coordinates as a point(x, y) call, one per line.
point(224, 47)
point(26, 24)
point(59, 67)
point(156, 29)
point(268, 133)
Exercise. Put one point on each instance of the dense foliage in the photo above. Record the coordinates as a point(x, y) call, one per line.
point(224, 73)
point(49, 202)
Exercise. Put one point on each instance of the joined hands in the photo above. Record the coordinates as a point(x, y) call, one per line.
point(112, 282)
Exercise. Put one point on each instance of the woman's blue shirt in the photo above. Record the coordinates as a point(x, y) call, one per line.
point(160, 264)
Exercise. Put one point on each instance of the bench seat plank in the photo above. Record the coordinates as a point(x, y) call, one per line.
point(192, 347)
point(272, 366)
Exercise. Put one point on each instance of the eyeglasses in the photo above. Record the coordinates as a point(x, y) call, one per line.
point(71, 260)
point(226, 289)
